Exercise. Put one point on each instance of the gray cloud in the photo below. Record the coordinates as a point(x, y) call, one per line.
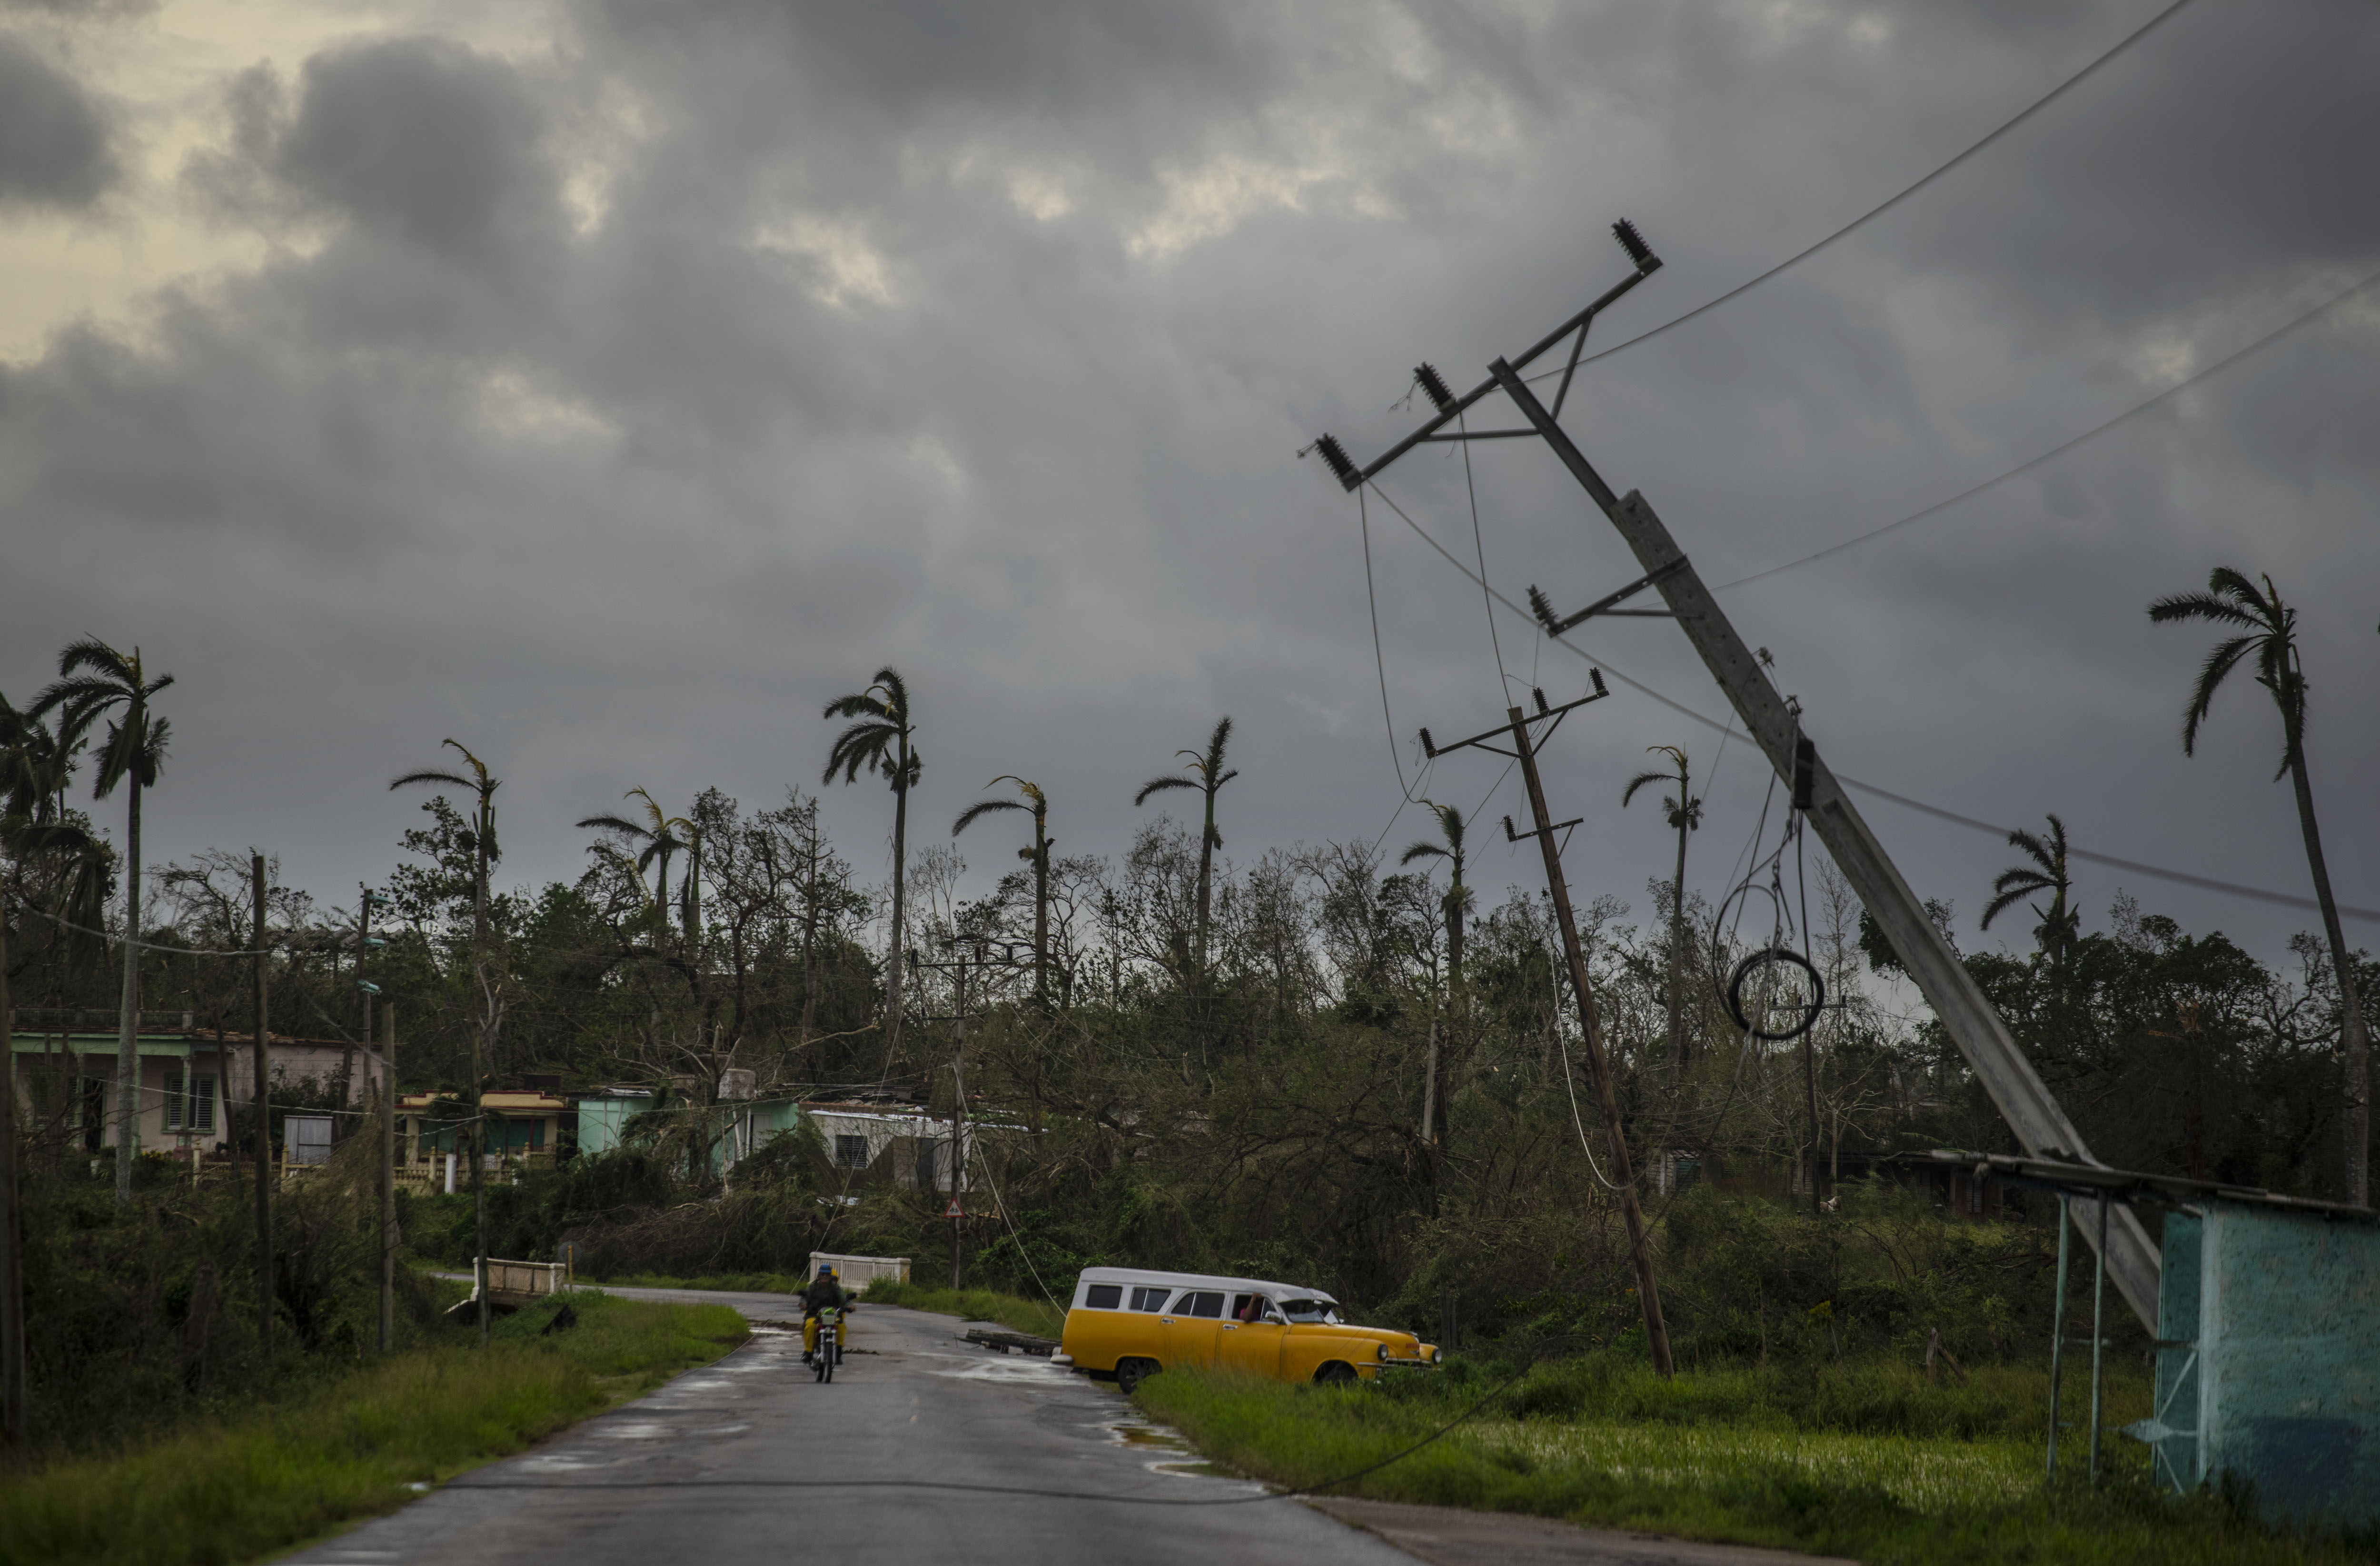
point(893, 333)
point(53, 137)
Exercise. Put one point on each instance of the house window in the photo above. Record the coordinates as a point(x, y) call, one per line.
point(851, 1152)
point(194, 1112)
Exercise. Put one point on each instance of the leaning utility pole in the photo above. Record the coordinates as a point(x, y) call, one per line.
point(1524, 751)
point(2016, 1090)
point(263, 1132)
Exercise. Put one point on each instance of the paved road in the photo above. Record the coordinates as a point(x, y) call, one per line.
point(750, 1460)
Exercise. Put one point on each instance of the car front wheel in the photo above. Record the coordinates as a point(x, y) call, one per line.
point(1338, 1373)
point(1131, 1373)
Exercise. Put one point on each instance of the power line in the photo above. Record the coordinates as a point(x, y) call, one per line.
point(2181, 877)
point(2059, 450)
point(1877, 210)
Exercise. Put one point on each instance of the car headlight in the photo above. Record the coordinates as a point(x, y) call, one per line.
point(1382, 1349)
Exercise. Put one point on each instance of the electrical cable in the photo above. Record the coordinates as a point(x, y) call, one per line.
point(1877, 210)
point(2204, 883)
point(26, 905)
point(2059, 450)
point(1379, 660)
point(1002, 1208)
point(1478, 542)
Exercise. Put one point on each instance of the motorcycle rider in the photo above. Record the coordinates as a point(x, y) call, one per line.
point(823, 1291)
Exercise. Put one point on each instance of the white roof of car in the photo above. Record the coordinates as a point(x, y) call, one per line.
point(1206, 1281)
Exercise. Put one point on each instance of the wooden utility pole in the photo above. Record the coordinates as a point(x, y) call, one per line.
point(1640, 1248)
point(263, 1131)
point(388, 1179)
point(1966, 1014)
point(1524, 752)
point(12, 1233)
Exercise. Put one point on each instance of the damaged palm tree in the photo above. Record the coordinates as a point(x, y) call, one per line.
point(479, 837)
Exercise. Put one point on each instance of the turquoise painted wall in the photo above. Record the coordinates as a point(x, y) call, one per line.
point(2284, 1312)
point(600, 1120)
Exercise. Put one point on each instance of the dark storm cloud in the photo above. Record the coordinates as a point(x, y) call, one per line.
point(421, 139)
point(979, 340)
point(53, 138)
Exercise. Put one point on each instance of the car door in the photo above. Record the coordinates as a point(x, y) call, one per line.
point(1191, 1327)
point(1254, 1345)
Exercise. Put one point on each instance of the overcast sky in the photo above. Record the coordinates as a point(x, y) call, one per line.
point(607, 386)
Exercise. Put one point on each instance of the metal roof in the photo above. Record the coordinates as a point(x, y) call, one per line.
point(2131, 1185)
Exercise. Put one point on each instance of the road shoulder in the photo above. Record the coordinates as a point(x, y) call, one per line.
point(1447, 1535)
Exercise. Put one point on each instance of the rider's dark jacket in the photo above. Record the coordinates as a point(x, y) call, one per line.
point(823, 1292)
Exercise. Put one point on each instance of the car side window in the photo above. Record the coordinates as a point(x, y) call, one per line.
point(1203, 1303)
point(1149, 1299)
point(1104, 1297)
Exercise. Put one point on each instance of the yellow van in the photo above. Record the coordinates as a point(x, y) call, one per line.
point(1127, 1324)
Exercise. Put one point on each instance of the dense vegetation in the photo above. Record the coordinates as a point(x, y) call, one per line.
point(1337, 1063)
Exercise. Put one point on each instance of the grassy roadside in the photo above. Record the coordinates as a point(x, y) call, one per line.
point(1037, 1317)
point(1889, 1471)
point(355, 1448)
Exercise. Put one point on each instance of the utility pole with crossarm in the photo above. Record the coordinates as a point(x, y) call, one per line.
point(2016, 1090)
point(1525, 745)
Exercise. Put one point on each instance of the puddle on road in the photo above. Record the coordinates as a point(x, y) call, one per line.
point(1148, 1435)
point(640, 1431)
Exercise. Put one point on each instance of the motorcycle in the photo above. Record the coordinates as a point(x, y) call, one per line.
point(829, 1344)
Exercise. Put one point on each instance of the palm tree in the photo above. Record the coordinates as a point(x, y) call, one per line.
point(94, 678)
point(1456, 902)
point(1210, 779)
point(2058, 926)
point(1038, 854)
point(35, 768)
point(659, 834)
point(2268, 630)
point(1684, 813)
point(480, 836)
point(883, 742)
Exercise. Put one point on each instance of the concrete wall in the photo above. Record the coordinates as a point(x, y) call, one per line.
point(53, 1073)
point(2287, 1357)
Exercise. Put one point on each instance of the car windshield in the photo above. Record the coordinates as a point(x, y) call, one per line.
point(1309, 1310)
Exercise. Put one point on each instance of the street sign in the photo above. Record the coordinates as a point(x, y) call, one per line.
point(954, 1210)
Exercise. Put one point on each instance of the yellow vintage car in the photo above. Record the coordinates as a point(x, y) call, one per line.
point(1127, 1324)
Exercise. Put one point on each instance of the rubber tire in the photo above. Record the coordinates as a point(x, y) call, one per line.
point(1131, 1373)
point(1336, 1373)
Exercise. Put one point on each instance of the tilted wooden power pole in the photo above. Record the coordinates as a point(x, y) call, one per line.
point(263, 1133)
point(2016, 1090)
point(1524, 751)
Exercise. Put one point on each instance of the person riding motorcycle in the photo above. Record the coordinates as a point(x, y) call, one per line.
point(823, 1291)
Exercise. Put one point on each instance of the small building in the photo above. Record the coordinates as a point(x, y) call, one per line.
point(907, 1148)
point(525, 1130)
point(604, 1114)
point(2268, 1335)
point(193, 1079)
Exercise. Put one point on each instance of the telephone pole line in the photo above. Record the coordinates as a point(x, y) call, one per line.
point(2033, 1113)
point(1524, 751)
point(263, 1130)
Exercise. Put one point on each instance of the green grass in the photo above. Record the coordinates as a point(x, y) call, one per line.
point(336, 1452)
point(1036, 1316)
point(1867, 1462)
